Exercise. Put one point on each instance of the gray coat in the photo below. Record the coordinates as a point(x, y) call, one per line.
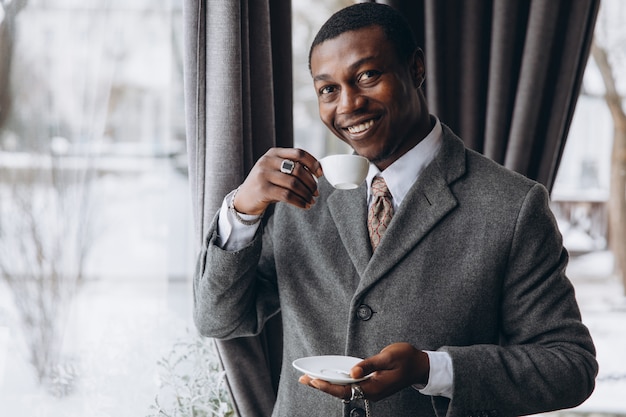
point(472, 264)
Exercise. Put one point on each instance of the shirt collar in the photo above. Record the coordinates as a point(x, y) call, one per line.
point(400, 175)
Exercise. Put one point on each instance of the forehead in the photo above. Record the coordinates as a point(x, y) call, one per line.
point(350, 48)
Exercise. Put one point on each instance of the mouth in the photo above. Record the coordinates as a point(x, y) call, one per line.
point(360, 128)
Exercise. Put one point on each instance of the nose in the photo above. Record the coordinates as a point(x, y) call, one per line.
point(350, 100)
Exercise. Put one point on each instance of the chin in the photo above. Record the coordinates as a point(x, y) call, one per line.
point(383, 155)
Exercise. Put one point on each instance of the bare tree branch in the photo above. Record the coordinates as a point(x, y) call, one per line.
point(617, 200)
point(612, 96)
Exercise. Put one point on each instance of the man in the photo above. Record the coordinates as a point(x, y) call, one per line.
point(461, 308)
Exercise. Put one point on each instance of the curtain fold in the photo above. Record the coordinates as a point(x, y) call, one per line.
point(505, 75)
point(238, 102)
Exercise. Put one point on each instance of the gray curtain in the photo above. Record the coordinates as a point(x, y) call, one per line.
point(238, 103)
point(504, 74)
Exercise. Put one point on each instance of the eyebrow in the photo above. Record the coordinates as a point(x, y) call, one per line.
point(352, 67)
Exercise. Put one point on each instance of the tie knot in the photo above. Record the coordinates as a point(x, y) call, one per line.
point(379, 188)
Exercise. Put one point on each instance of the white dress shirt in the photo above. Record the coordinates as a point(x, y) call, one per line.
point(399, 177)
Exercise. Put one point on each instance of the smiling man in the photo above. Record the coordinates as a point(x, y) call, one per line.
point(463, 308)
point(368, 94)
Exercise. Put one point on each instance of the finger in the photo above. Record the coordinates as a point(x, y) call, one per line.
point(291, 189)
point(391, 357)
point(372, 364)
point(372, 389)
point(305, 379)
point(300, 170)
point(266, 184)
point(303, 174)
point(339, 391)
point(301, 156)
point(299, 179)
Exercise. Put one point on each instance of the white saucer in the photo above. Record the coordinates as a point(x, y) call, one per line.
point(334, 369)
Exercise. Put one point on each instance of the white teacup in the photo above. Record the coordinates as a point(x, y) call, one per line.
point(345, 171)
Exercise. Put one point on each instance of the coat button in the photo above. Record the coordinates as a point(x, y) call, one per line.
point(357, 412)
point(364, 312)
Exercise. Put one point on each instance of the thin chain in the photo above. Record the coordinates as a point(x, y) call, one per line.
point(368, 412)
point(357, 394)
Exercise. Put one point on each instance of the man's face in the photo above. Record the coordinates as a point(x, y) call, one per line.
point(367, 96)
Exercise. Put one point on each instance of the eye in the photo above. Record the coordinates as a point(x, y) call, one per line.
point(327, 92)
point(368, 76)
point(328, 89)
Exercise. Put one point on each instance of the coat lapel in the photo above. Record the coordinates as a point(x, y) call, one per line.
point(423, 208)
point(349, 211)
point(429, 200)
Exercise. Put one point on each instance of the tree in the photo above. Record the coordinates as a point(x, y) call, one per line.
point(602, 55)
point(45, 236)
point(45, 233)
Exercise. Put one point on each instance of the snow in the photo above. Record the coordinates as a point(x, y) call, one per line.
point(603, 307)
point(127, 316)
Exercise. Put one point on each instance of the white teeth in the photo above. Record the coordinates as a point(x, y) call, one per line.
point(360, 128)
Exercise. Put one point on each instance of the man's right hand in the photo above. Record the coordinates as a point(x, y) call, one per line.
point(266, 184)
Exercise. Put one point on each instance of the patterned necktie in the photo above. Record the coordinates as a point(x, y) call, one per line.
point(380, 212)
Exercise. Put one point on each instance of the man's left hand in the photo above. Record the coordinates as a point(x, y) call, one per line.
point(396, 367)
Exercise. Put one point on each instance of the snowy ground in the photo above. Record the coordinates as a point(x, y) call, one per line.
point(128, 315)
point(603, 305)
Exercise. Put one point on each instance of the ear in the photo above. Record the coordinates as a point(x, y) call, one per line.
point(418, 69)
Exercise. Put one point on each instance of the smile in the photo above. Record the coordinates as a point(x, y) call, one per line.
point(360, 127)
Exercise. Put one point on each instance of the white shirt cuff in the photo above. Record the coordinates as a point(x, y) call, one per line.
point(441, 376)
point(234, 235)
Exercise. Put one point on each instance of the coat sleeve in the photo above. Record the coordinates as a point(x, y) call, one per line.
point(546, 359)
point(232, 297)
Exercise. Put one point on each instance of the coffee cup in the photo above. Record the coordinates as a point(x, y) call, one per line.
point(345, 171)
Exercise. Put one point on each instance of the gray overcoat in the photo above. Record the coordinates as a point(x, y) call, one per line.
point(472, 264)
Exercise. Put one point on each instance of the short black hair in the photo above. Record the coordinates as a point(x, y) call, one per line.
point(361, 15)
